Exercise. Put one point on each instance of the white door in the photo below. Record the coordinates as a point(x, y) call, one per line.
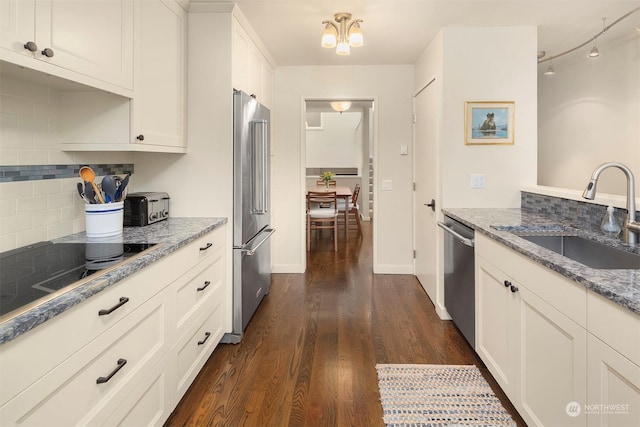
point(425, 175)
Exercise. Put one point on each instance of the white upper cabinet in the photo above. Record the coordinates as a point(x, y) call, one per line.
point(154, 120)
point(251, 71)
point(89, 42)
point(159, 108)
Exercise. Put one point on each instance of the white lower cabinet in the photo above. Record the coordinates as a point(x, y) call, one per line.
point(140, 364)
point(552, 363)
point(536, 353)
point(496, 324)
point(613, 363)
point(613, 397)
point(86, 387)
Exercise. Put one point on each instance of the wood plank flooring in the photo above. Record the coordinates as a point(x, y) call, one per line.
point(308, 355)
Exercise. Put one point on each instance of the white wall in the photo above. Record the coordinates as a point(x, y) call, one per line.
point(338, 143)
point(468, 76)
point(30, 128)
point(391, 87)
point(456, 58)
point(589, 113)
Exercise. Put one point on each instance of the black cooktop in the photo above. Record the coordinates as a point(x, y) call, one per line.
point(36, 271)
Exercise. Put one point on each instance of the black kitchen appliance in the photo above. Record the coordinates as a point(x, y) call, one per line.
point(32, 274)
point(459, 276)
point(146, 208)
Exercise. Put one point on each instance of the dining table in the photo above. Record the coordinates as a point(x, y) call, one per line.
point(341, 193)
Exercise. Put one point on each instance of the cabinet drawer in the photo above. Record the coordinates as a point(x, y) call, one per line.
point(194, 347)
point(562, 293)
point(21, 359)
point(208, 244)
point(615, 325)
point(195, 294)
point(149, 404)
point(85, 388)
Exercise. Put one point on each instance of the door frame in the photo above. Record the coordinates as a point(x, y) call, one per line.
point(303, 167)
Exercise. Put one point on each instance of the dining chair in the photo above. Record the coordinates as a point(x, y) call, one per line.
point(332, 183)
point(319, 218)
point(352, 211)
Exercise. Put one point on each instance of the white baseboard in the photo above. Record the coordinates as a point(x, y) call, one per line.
point(393, 269)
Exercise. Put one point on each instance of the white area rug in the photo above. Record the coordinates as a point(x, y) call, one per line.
point(438, 395)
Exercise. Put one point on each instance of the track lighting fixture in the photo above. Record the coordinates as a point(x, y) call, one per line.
point(594, 52)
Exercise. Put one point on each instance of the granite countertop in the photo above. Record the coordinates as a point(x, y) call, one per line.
point(171, 235)
point(620, 286)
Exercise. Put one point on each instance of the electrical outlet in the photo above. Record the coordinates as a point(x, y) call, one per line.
point(404, 150)
point(477, 180)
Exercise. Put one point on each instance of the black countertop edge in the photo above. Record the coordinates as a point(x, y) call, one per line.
point(620, 286)
point(171, 235)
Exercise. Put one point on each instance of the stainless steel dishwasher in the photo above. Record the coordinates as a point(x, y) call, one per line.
point(459, 276)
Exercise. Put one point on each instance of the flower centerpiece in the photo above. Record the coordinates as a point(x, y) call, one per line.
point(326, 176)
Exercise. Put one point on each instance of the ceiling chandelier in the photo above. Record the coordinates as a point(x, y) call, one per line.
point(344, 36)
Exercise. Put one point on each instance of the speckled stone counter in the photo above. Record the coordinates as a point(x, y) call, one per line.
point(620, 286)
point(171, 235)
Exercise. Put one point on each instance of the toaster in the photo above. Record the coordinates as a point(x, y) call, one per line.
point(142, 209)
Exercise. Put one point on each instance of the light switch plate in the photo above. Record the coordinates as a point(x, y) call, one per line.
point(477, 180)
point(387, 185)
point(404, 150)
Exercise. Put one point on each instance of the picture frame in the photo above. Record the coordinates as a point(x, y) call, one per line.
point(489, 123)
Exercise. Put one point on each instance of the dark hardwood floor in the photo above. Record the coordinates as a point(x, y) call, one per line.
point(308, 355)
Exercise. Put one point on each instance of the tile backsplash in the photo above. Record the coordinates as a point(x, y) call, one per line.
point(38, 194)
point(580, 214)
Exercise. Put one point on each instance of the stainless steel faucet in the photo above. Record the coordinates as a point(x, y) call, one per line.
point(631, 226)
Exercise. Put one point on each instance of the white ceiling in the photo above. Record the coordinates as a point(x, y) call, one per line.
point(397, 31)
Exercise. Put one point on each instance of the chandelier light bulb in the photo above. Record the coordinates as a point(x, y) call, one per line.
point(329, 36)
point(355, 35)
point(343, 48)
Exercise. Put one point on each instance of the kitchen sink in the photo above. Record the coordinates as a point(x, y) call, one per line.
point(588, 252)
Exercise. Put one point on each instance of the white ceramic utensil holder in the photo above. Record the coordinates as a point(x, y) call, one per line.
point(104, 219)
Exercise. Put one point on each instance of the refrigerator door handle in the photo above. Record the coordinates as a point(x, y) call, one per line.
point(260, 167)
point(250, 249)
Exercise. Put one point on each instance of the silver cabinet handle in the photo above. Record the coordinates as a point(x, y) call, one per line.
point(461, 238)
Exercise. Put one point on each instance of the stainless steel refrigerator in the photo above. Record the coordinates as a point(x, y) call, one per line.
point(251, 210)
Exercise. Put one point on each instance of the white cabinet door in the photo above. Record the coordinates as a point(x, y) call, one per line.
point(159, 104)
point(94, 38)
point(553, 364)
point(69, 41)
point(17, 26)
point(240, 58)
point(613, 397)
point(497, 324)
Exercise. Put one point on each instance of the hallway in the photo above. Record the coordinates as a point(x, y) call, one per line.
point(309, 354)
